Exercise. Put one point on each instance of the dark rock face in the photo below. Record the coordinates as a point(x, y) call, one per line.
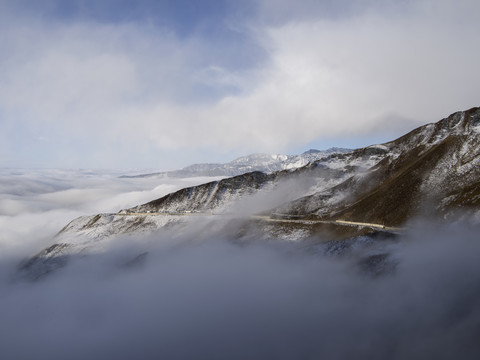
point(377, 264)
point(52, 258)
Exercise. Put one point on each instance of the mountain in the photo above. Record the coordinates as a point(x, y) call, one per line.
point(433, 171)
point(254, 162)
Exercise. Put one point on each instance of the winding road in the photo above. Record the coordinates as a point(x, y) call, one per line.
point(270, 219)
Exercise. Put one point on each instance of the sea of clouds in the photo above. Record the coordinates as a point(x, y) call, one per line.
point(199, 295)
point(36, 204)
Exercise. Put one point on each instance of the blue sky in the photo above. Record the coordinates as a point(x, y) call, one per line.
point(163, 84)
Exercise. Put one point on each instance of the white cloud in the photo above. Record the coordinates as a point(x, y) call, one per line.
point(381, 69)
point(221, 298)
point(35, 205)
point(360, 75)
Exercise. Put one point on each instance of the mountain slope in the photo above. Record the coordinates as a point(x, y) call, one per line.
point(251, 163)
point(432, 170)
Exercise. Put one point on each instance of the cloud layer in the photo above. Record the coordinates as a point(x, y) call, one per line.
point(85, 90)
point(197, 294)
point(208, 298)
point(37, 204)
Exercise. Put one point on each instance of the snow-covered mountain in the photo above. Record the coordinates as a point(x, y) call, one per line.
point(432, 171)
point(255, 162)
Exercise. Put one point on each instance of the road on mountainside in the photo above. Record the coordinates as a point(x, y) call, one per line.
point(269, 219)
point(376, 226)
point(165, 213)
point(338, 222)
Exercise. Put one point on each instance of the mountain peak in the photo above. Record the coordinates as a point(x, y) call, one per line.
point(465, 121)
point(328, 151)
point(431, 171)
point(267, 163)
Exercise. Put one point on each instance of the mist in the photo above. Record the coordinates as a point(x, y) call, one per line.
point(209, 298)
point(206, 293)
point(36, 204)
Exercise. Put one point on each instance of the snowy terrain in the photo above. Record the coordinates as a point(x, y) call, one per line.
point(138, 280)
point(382, 184)
point(36, 204)
point(255, 162)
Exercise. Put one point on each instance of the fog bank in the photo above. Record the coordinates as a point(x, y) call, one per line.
point(209, 298)
point(198, 294)
point(36, 204)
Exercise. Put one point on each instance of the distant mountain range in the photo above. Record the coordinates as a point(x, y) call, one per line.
point(254, 162)
point(433, 172)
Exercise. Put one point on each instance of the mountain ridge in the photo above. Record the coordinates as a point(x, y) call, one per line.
point(249, 163)
point(432, 171)
point(411, 176)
